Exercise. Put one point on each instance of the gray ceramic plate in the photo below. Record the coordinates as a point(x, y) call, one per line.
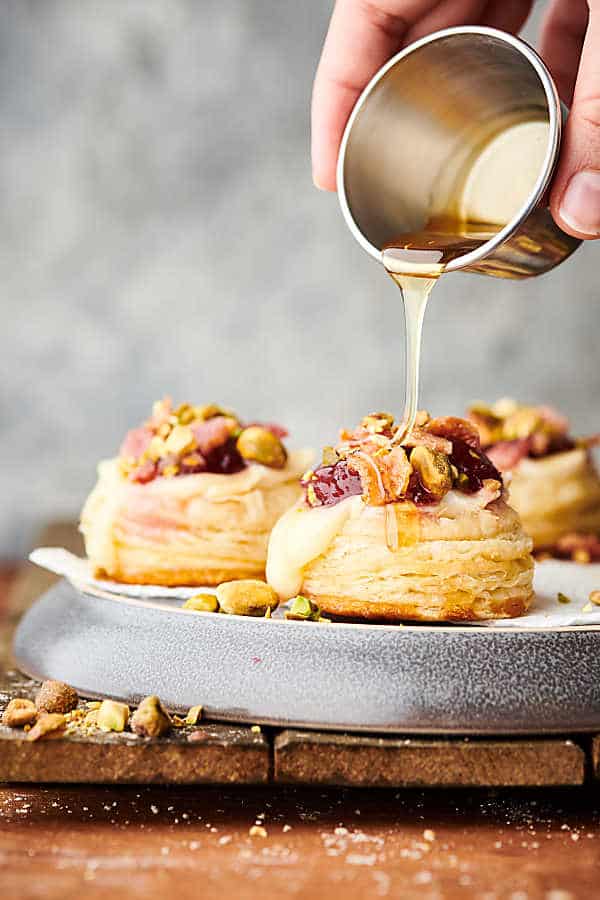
point(378, 678)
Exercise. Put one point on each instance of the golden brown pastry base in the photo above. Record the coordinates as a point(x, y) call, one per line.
point(180, 577)
point(457, 609)
point(460, 565)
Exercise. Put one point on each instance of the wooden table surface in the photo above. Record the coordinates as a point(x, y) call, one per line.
point(59, 842)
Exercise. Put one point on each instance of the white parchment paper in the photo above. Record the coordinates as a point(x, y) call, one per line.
point(551, 577)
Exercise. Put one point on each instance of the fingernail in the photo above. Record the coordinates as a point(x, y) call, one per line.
point(316, 183)
point(580, 205)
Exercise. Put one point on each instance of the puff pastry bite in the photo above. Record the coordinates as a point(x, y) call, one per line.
point(417, 530)
point(554, 485)
point(190, 499)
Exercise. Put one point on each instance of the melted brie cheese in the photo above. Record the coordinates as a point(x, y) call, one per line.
point(301, 535)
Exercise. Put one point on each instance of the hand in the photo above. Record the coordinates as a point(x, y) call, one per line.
point(363, 34)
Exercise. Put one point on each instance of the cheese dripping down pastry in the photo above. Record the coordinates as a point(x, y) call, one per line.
point(554, 484)
point(190, 499)
point(419, 530)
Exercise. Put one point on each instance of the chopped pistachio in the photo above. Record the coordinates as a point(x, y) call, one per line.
point(19, 712)
point(562, 598)
point(150, 718)
point(246, 597)
point(311, 495)
point(260, 445)
point(255, 729)
point(377, 422)
point(49, 725)
point(156, 449)
point(209, 411)
point(202, 603)
point(56, 697)
point(112, 716)
point(194, 715)
point(330, 456)
point(180, 440)
point(258, 831)
point(595, 598)
point(185, 414)
point(433, 469)
point(304, 610)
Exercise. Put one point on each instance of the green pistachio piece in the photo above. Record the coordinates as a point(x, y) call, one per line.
point(194, 715)
point(112, 716)
point(304, 610)
point(330, 456)
point(246, 597)
point(202, 603)
point(151, 718)
point(562, 598)
point(260, 445)
point(433, 468)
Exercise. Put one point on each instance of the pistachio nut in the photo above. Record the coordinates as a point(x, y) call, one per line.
point(180, 440)
point(258, 444)
point(330, 456)
point(304, 610)
point(377, 422)
point(194, 715)
point(112, 716)
point(433, 468)
point(595, 598)
point(56, 697)
point(202, 603)
point(49, 725)
point(151, 718)
point(246, 597)
point(19, 712)
point(209, 411)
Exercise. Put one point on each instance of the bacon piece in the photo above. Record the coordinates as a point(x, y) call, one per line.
point(452, 427)
point(213, 433)
point(370, 478)
point(395, 471)
point(418, 437)
point(506, 455)
point(144, 473)
point(136, 442)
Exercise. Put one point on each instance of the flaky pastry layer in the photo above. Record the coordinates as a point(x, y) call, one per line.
point(556, 495)
point(192, 530)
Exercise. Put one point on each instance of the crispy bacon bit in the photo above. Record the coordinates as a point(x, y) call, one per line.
point(418, 437)
point(136, 442)
point(452, 428)
point(144, 473)
point(213, 433)
point(506, 455)
point(370, 478)
point(395, 471)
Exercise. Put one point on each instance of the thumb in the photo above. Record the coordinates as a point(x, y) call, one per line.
point(575, 197)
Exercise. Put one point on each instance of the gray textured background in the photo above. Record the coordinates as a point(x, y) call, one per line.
point(160, 233)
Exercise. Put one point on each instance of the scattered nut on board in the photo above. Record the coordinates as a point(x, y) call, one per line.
point(595, 598)
point(112, 716)
point(151, 718)
point(48, 726)
point(258, 831)
point(19, 712)
point(56, 697)
point(194, 715)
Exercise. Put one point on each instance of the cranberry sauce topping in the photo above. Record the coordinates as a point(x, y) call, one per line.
point(333, 483)
point(474, 464)
point(225, 460)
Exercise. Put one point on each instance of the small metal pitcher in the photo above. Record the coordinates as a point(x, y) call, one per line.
point(423, 116)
